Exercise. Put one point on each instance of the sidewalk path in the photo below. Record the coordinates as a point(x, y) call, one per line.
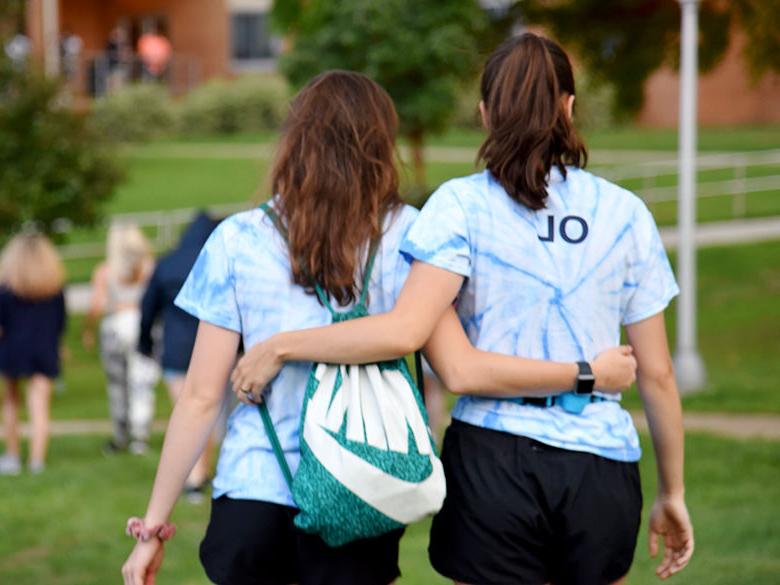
point(445, 154)
point(737, 231)
point(737, 426)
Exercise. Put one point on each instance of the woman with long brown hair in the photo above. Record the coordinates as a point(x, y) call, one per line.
point(336, 190)
point(549, 261)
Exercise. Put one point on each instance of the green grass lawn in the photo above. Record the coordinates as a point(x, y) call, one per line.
point(739, 329)
point(65, 527)
point(711, 138)
point(158, 179)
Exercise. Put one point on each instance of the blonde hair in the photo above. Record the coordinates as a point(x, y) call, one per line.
point(31, 267)
point(128, 252)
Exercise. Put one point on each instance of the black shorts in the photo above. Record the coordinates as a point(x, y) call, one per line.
point(521, 512)
point(249, 542)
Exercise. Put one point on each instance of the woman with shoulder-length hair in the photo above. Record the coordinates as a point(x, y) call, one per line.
point(32, 320)
point(117, 287)
point(336, 189)
point(548, 261)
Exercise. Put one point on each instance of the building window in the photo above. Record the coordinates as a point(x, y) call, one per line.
point(252, 46)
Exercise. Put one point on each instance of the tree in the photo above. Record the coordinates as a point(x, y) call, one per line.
point(420, 51)
point(53, 166)
point(622, 42)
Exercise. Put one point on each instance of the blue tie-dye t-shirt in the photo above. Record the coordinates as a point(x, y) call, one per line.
point(242, 281)
point(553, 284)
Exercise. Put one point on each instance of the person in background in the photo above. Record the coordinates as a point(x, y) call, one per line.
point(32, 320)
point(71, 46)
point(18, 49)
point(179, 327)
point(155, 52)
point(118, 58)
point(117, 287)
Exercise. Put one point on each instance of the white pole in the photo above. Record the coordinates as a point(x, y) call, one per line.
point(688, 363)
point(50, 16)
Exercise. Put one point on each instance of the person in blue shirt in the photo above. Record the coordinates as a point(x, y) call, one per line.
point(336, 187)
point(32, 321)
point(178, 327)
point(547, 261)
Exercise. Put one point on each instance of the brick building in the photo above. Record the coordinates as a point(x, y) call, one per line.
point(727, 94)
point(212, 38)
point(209, 38)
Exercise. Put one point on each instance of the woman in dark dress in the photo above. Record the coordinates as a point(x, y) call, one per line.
point(32, 320)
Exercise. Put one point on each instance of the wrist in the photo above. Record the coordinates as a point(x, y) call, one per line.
point(572, 372)
point(677, 494)
point(586, 379)
point(143, 531)
point(280, 347)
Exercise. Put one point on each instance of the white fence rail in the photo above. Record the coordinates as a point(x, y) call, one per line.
point(165, 225)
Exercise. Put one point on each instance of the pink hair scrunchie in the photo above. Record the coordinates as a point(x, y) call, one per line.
point(138, 530)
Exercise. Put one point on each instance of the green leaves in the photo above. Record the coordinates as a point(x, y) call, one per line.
point(52, 164)
point(622, 42)
point(420, 51)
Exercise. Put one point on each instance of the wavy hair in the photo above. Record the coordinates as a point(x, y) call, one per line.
point(335, 178)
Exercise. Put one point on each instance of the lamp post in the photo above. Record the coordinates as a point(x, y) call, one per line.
point(689, 366)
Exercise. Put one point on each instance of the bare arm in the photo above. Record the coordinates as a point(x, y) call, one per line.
point(190, 425)
point(658, 390)
point(426, 296)
point(427, 293)
point(465, 369)
point(97, 304)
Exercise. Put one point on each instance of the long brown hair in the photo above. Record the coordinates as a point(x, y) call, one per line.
point(336, 178)
point(524, 85)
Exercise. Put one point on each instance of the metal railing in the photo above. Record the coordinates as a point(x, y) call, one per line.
point(737, 187)
point(163, 227)
point(92, 73)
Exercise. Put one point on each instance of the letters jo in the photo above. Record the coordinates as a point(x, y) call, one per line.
point(570, 234)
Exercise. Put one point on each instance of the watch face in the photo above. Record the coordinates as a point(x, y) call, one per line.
point(585, 384)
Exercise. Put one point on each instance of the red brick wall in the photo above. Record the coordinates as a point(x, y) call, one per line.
point(196, 28)
point(727, 94)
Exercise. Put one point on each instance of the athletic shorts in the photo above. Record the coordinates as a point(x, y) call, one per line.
point(521, 512)
point(249, 542)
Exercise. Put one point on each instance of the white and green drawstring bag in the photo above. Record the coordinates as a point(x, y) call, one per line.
point(368, 461)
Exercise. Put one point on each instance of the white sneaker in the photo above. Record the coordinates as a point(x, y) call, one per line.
point(10, 465)
point(36, 467)
point(138, 447)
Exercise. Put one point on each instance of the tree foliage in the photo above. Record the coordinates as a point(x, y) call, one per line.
point(622, 42)
point(52, 165)
point(420, 51)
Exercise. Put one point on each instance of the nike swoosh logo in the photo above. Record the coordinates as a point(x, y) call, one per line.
point(378, 406)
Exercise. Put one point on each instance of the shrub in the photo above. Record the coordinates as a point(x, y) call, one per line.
point(594, 105)
point(135, 113)
point(55, 168)
point(467, 107)
point(249, 103)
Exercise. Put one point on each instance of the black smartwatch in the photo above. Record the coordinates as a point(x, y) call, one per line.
point(585, 379)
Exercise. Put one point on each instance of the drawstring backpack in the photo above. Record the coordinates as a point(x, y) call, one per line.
point(368, 461)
